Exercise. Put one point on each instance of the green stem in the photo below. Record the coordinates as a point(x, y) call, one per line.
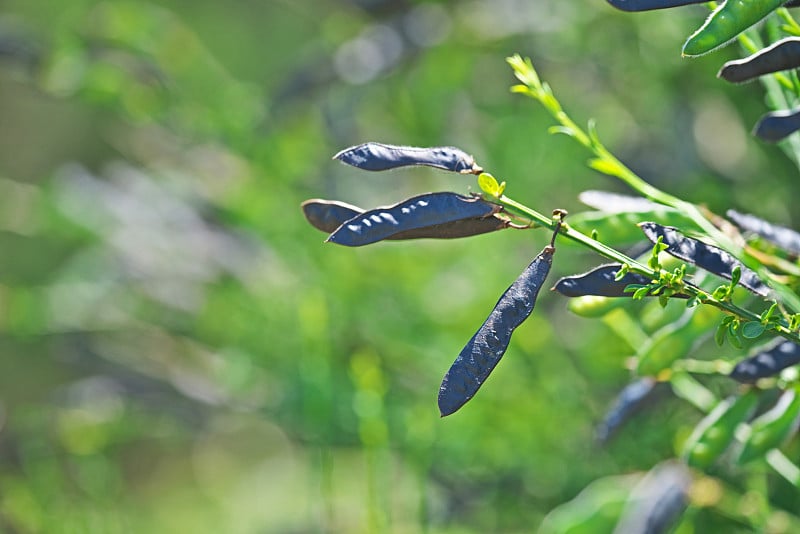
point(608, 252)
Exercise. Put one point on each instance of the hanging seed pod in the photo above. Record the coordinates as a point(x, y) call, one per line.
point(483, 352)
point(777, 125)
point(380, 157)
point(630, 400)
point(712, 259)
point(712, 436)
point(657, 501)
point(783, 237)
point(726, 22)
point(328, 215)
point(772, 428)
point(423, 211)
point(649, 5)
point(767, 363)
point(782, 55)
point(600, 282)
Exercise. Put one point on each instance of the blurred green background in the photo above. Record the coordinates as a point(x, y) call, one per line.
point(180, 352)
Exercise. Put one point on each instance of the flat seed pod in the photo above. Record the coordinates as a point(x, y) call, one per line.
point(782, 55)
point(630, 400)
point(649, 5)
point(599, 282)
point(783, 237)
point(658, 501)
point(726, 22)
point(380, 157)
point(712, 436)
point(772, 428)
point(712, 259)
point(777, 125)
point(328, 215)
point(423, 211)
point(480, 356)
point(767, 362)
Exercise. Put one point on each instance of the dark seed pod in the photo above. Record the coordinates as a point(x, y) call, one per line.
point(712, 259)
point(782, 55)
point(380, 157)
point(784, 238)
point(328, 215)
point(420, 212)
point(599, 282)
point(792, 3)
point(657, 501)
point(777, 125)
point(480, 356)
point(630, 400)
point(767, 363)
point(649, 5)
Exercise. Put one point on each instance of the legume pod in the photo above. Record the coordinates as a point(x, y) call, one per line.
point(726, 22)
point(423, 211)
point(777, 125)
point(767, 362)
point(381, 157)
point(328, 215)
point(771, 429)
point(600, 282)
point(630, 400)
point(781, 55)
point(783, 237)
point(712, 436)
point(483, 352)
point(649, 5)
point(712, 259)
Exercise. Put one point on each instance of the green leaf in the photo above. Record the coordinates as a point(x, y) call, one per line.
point(719, 335)
point(623, 270)
point(605, 166)
point(736, 275)
point(641, 293)
point(489, 185)
point(752, 329)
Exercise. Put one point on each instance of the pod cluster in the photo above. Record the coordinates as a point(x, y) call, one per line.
point(723, 25)
point(438, 215)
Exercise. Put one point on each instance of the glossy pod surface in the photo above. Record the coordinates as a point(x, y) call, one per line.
point(423, 211)
point(328, 215)
point(380, 157)
point(726, 22)
point(712, 259)
point(767, 363)
point(482, 353)
point(782, 55)
point(777, 125)
point(649, 5)
point(599, 282)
